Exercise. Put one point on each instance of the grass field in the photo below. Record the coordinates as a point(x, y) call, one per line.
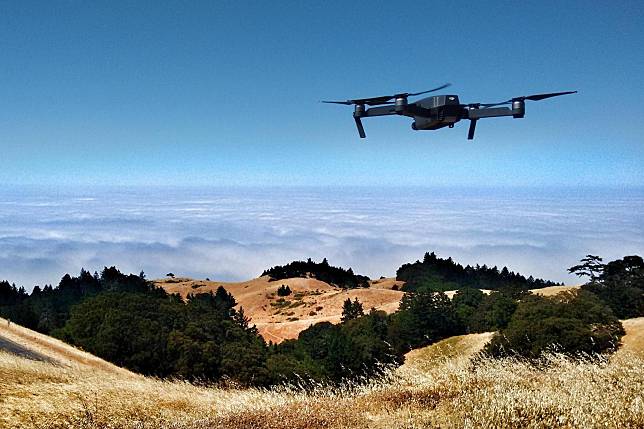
point(438, 387)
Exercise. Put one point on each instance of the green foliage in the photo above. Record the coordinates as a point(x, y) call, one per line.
point(48, 309)
point(493, 313)
point(423, 318)
point(572, 323)
point(128, 321)
point(283, 290)
point(10, 294)
point(321, 271)
point(351, 310)
point(332, 353)
point(126, 329)
point(466, 303)
point(159, 334)
point(436, 274)
point(620, 284)
point(591, 266)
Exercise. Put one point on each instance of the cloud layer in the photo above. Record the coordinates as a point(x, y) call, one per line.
point(234, 234)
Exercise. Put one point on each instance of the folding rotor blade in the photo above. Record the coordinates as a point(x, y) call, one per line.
point(374, 101)
point(412, 94)
point(494, 104)
point(384, 99)
point(537, 97)
point(348, 102)
point(533, 97)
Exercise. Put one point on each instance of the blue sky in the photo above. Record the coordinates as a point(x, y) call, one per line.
point(226, 93)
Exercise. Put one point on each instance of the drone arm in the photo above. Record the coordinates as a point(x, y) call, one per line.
point(475, 114)
point(379, 111)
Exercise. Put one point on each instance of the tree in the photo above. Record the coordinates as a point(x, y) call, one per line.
point(351, 310)
point(466, 303)
point(438, 274)
point(571, 323)
point(621, 286)
point(591, 266)
point(283, 290)
point(322, 271)
point(494, 312)
point(423, 318)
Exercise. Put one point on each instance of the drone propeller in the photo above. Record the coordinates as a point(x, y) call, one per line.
point(384, 99)
point(413, 94)
point(533, 97)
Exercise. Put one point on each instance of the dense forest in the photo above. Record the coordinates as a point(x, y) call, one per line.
point(437, 274)
point(127, 320)
point(322, 271)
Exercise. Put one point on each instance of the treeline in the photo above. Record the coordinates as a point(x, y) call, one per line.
point(322, 271)
point(437, 274)
point(127, 320)
point(48, 308)
point(10, 294)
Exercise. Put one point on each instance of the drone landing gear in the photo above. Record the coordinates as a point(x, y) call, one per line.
point(470, 132)
point(360, 127)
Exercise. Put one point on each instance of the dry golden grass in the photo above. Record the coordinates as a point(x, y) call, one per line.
point(553, 290)
point(438, 387)
point(54, 349)
point(633, 341)
point(312, 301)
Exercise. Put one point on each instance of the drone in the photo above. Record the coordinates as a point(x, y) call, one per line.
point(438, 111)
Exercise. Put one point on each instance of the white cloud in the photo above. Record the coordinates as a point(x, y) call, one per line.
point(235, 234)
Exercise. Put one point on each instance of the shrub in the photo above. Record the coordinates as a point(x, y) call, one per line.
point(572, 323)
point(284, 290)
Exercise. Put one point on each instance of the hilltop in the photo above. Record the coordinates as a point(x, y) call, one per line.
point(311, 301)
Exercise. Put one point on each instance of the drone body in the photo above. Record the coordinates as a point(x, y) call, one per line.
point(438, 111)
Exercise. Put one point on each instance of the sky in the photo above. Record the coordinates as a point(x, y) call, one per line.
point(227, 93)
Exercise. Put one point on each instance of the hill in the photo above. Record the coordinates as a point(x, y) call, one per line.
point(311, 301)
point(36, 346)
point(438, 386)
point(633, 341)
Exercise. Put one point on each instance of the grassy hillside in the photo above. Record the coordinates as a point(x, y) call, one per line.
point(311, 301)
point(438, 386)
